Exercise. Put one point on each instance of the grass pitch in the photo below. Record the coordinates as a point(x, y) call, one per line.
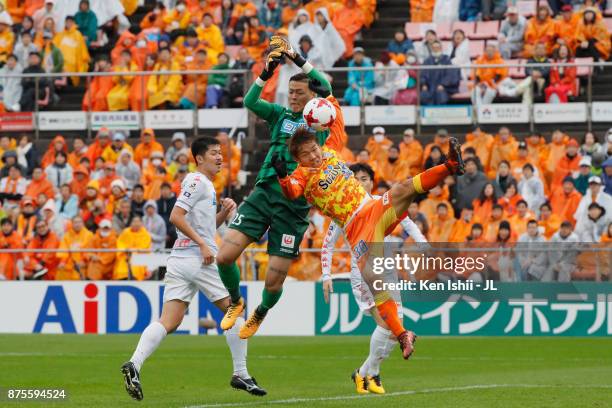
point(315, 371)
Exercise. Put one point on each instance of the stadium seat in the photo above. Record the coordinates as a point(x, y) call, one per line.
point(413, 31)
point(468, 27)
point(476, 48)
point(465, 91)
point(583, 70)
point(517, 71)
point(608, 23)
point(526, 8)
point(486, 30)
point(444, 31)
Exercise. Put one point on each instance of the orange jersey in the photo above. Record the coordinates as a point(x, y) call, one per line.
point(331, 188)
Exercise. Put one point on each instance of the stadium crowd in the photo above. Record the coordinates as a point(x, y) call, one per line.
point(48, 36)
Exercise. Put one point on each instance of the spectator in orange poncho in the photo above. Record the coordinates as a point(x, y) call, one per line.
point(26, 221)
point(195, 85)
point(126, 41)
point(79, 151)
point(112, 152)
point(442, 224)
point(565, 28)
point(105, 181)
point(463, 226)
point(73, 266)
point(564, 201)
point(510, 199)
point(101, 264)
point(134, 237)
point(118, 193)
point(549, 221)
point(378, 145)
point(421, 11)
point(504, 148)
point(39, 185)
point(139, 96)
point(348, 21)
point(393, 169)
point(57, 145)
point(312, 7)
point(411, 152)
point(7, 38)
point(95, 97)
point(9, 239)
point(97, 147)
point(482, 143)
point(78, 185)
point(146, 147)
point(202, 7)
point(92, 194)
point(553, 153)
point(592, 37)
point(491, 224)
point(537, 148)
point(186, 46)
point(290, 11)
point(231, 156)
point(523, 158)
point(441, 140)
point(435, 197)
point(487, 79)
point(567, 164)
point(540, 29)
point(210, 35)
point(562, 80)
point(483, 205)
point(521, 217)
point(254, 37)
point(155, 18)
point(243, 8)
point(154, 175)
point(42, 264)
point(17, 10)
point(118, 97)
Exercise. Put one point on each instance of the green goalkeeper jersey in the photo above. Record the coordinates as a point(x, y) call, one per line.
point(282, 123)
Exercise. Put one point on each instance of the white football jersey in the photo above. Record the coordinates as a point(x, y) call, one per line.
point(199, 199)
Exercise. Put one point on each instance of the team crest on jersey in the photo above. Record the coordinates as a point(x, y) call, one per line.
point(288, 241)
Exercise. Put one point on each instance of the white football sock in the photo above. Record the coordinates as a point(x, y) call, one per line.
point(378, 349)
point(150, 339)
point(238, 348)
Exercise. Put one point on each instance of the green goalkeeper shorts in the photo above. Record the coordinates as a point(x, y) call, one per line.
point(267, 209)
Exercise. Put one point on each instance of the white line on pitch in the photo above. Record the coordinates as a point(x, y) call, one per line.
point(400, 393)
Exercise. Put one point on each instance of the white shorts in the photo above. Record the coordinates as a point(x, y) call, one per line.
point(186, 276)
point(364, 298)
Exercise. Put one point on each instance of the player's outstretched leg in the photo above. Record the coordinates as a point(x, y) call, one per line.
point(131, 378)
point(381, 345)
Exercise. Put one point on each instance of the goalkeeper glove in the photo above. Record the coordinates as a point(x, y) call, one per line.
point(288, 50)
point(280, 166)
point(272, 61)
point(317, 87)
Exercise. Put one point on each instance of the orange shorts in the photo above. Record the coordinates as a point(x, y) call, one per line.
point(371, 224)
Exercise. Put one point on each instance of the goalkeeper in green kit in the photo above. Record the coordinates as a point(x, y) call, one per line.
point(266, 208)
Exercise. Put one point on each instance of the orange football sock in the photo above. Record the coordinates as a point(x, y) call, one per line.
point(388, 312)
point(430, 178)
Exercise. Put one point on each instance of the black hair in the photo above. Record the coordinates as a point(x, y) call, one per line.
point(529, 166)
point(442, 205)
point(166, 184)
point(546, 204)
point(201, 145)
point(532, 221)
point(522, 202)
point(61, 153)
point(364, 168)
point(138, 186)
point(477, 226)
point(470, 159)
point(300, 77)
point(5, 221)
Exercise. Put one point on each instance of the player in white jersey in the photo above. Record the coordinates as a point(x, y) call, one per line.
point(382, 341)
point(191, 267)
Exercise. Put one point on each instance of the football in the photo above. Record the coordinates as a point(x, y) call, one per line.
point(319, 114)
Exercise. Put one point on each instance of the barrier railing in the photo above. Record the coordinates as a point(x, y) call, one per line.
point(590, 261)
point(246, 77)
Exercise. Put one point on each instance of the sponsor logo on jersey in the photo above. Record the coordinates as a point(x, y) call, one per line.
point(288, 241)
point(290, 126)
point(186, 193)
point(332, 172)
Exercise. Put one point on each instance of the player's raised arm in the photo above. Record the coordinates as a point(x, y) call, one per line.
point(292, 185)
point(253, 100)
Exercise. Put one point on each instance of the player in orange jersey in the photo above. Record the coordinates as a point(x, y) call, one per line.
point(328, 184)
